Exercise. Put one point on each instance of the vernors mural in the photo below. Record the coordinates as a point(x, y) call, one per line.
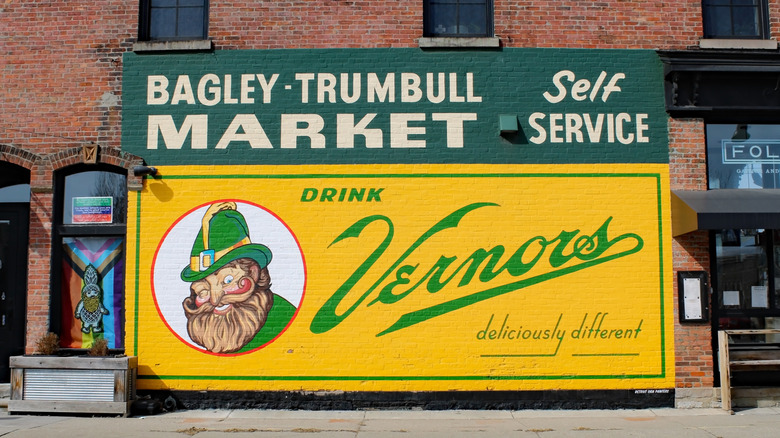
point(386, 235)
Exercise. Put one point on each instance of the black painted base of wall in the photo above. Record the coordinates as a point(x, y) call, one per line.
point(338, 400)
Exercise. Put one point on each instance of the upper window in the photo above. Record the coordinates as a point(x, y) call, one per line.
point(459, 18)
point(173, 20)
point(735, 19)
point(95, 197)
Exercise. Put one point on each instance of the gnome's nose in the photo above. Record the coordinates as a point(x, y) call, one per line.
point(216, 297)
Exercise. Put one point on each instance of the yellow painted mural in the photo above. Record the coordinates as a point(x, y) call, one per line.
point(401, 277)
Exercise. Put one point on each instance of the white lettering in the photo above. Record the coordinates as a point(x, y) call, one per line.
point(410, 88)
point(346, 130)
point(229, 90)
point(431, 88)
point(599, 81)
point(291, 131)
point(183, 91)
point(267, 86)
point(579, 89)
point(568, 128)
point(619, 121)
point(400, 130)
point(542, 134)
point(214, 91)
point(470, 97)
point(156, 90)
point(345, 96)
point(594, 131)
point(173, 138)
point(304, 78)
point(326, 84)
point(555, 128)
point(612, 86)
point(573, 126)
point(381, 91)
point(561, 89)
point(252, 133)
point(641, 128)
point(246, 89)
point(454, 126)
point(454, 89)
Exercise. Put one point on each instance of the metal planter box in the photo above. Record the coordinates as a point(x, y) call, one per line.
point(77, 384)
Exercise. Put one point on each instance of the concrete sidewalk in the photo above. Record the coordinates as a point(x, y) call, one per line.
point(662, 423)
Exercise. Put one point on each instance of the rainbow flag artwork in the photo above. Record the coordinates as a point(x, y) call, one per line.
point(92, 291)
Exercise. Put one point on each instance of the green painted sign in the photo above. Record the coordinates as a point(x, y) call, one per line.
point(336, 106)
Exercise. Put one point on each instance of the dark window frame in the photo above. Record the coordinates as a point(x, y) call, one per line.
point(61, 230)
point(761, 9)
point(768, 244)
point(145, 24)
point(428, 24)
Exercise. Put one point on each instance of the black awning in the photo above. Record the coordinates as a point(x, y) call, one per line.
point(724, 209)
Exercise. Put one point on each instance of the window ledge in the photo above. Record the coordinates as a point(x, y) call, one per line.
point(717, 43)
point(434, 42)
point(163, 46)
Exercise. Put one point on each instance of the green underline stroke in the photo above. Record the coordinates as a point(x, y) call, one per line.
point(396, 378)
point(137, 275)
point(603, 354)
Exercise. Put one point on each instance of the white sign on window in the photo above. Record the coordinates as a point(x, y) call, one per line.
point(758, 297)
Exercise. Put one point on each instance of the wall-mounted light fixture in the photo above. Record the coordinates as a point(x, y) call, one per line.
point(507, 124)
point(144, 170)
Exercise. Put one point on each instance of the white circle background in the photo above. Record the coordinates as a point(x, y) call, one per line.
point(286, 269)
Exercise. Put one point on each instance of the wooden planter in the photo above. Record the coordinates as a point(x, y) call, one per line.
point(76, 384)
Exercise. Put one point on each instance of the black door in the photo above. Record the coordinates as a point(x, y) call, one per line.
point(13, 282)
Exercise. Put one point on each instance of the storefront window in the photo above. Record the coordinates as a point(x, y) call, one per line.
point(748, 278)
point(741, 156)
point(90, 248)
point(743, 273)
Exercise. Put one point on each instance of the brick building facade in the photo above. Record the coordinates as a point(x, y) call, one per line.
point(63, 106)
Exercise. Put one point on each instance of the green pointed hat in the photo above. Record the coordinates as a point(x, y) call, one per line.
point(223, 237)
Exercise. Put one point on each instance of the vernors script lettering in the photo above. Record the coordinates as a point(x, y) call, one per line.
point(568, 252)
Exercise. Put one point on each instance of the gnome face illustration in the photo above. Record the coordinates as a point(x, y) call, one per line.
point(230, 294)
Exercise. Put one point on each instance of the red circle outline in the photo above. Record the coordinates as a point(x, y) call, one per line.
point(165, 237)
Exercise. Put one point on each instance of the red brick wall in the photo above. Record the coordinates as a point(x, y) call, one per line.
point(688, 170)
point(599, 24)
point(38, 268)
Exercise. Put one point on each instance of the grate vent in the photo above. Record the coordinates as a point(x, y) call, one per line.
point(70, 385)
